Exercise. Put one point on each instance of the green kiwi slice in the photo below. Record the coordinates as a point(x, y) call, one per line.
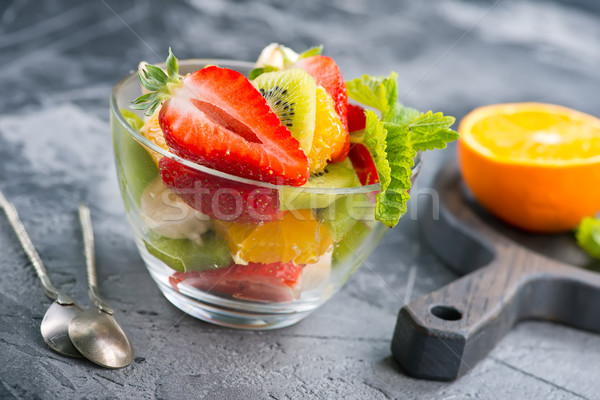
point(185, 255)
point(292, 95)
point(338, 175)
point(136, 168)
point(343, 214)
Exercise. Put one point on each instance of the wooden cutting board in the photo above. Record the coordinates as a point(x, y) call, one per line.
point(509, 276)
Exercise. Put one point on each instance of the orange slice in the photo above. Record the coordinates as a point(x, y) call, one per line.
point(330, 133)
point(153, 132)
point(298, 237)
point(535, 166)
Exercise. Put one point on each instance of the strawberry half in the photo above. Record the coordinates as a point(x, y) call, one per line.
point(359, 155)
point(276, 282)
point(327, 74)
point(217, 118)
point(220, 198)
point(356, 118)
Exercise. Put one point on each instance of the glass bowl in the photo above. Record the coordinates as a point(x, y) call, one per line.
point(233, 251)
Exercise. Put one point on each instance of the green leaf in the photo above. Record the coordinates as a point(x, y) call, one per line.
point(432, 131)
point(155, 73)
point(401, 114)
point(151, 84)
point(380, 93)
point(313, 51)
point(394, 140)
point(391, 201)
point(588, 236)
point(172, 65)
point(375, 140)
point(144, 98)
point(390, 147)
point(256, 72)
point(160, 85)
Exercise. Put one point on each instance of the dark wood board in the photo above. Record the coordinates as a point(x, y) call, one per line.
point(511, 276)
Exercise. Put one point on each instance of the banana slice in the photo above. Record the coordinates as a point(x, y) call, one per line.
point(317, 274)
point(271, 55)
point(166, 214)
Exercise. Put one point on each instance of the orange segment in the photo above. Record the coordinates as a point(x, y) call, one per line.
point(153, 132)
point(330, 133)
point(298, 237)
point(535, 166)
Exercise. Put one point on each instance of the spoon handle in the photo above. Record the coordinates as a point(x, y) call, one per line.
point(13, 217)
point(90, 259)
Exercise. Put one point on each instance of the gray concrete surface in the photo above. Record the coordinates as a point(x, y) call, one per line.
point(58, 62)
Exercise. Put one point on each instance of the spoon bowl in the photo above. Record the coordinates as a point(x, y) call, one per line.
point(95, 332)
point(55, 327)
point(98, 336)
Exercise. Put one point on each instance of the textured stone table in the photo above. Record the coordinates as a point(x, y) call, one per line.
point(59, 60)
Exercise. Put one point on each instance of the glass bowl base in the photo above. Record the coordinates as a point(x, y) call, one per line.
point(229, 312)
point(229, 318)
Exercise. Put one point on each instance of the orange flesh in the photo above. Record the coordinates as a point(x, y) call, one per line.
point(535, 166)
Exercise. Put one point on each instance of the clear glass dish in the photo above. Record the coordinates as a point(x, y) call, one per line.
point(189, 235)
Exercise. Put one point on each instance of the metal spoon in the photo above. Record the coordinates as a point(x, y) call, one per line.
point(55, 324)
point(95, 332)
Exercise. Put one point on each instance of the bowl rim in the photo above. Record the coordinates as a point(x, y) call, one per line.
point(199, 63)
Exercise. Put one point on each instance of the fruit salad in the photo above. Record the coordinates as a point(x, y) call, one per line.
point(266, 185)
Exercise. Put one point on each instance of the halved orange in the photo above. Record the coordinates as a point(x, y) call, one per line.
point(533, 165)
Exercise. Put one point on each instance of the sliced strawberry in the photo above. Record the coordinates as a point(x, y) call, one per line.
point(219, 119)
point(363, 164)
point(356, 118)
point(327, 74)
point(359, 155)
point(220, 198)
point(276, 282)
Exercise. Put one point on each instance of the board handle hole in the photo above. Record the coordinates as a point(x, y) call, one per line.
point(447, 313)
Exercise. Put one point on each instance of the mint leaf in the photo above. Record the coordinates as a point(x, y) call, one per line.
point(377, 92)
point(390, 147)
point(256, 72)
point(394, 139)
point(374, 138)
point(391, 201)
point(313, 51)
point(588, 236)
point(401, 114)
point(432, 131)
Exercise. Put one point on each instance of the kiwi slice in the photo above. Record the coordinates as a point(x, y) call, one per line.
point(338, 175)
point(350, 246)
point(292, 95)
point(341, 215)
point(185, 255)
point(136, 168)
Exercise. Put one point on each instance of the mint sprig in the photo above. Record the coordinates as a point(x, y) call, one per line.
point(161, 85)
point(256, 72)
point(588, 236)
point(394, 139)
point(313, 51)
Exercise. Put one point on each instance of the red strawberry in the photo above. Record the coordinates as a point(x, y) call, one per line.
point(218, 119)
point(256, 282)
point(359, 155)
point(363, 164)
point(327, 74)
point(220, 198)
point(356, 118)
